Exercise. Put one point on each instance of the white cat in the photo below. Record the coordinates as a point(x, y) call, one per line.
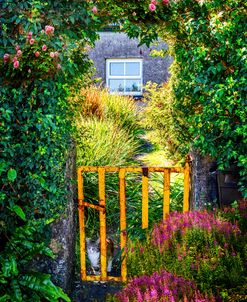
point(93, 253)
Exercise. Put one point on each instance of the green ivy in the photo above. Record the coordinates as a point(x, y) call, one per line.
point(208, 42)
point(35, 131)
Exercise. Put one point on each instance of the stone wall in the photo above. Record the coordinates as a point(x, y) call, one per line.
point(117, 45)
point(64, 231)
point(203, 181)
point(63, 235)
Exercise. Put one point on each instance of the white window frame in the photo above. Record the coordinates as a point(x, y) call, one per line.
point(124, 77)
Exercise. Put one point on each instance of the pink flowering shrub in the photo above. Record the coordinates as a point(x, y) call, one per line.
point(182, 222)
point(162, 286)
point(237, 213)
point(196, 245)
point(29, 60)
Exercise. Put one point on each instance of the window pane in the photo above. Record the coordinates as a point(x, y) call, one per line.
point(133, 85)
point(116, 85)
point(116, 69)
point(132, 69)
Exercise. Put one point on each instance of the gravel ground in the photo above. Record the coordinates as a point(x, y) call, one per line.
point(94, 291)
point(97, 291)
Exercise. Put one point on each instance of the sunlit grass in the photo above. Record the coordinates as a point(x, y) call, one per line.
point(156, 158)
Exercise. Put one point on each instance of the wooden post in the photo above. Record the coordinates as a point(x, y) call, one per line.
point(166, 201)
point(123, 234)
point(81, 224)
point(102, 219)
point(145, 198)
point(186, 186)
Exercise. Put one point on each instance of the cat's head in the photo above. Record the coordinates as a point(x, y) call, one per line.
point(93, 245)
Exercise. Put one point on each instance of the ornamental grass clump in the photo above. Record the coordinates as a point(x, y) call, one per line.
point(162, 286)
point(95, 102)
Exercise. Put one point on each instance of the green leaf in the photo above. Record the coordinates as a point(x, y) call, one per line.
point(3, 166)
point(9, 267)
point(19, 212)
point(72, 19)
point(42, 284)
point(5, 298)
point(16, 291)
point(12, 174)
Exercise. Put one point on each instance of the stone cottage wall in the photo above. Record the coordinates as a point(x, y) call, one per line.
point(118, 45)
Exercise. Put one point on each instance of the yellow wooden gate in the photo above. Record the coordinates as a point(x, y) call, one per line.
point(101, 207)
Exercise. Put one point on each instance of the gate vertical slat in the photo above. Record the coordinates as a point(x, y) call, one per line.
point(186, 186)
point(166, 200)
point(123, 235)
point(81, 224)
point(102, 218)
point(145, 198)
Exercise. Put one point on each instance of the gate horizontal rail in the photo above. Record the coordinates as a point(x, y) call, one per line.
point(101, 207)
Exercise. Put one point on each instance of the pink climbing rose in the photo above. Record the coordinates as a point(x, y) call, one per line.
point(37, 53)
point(6, 58)
point(16, 64)
point(95, 10)
point(15, 59)
point(166, 2)
point(29, 35)
point(17, 47)
point(44, 47)
point(154, 2)
point(49, 30)
point(52, 54)
point(152, 7)
point(19, 53)
point(31, 41)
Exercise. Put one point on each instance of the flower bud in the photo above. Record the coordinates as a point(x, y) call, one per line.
point(19, 53)
point(49, 30)
point(95, 10)
point(29, 35)
point(6, 58)
point(152, 7)
point(16, 64)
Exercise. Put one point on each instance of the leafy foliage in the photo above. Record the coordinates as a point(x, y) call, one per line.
point(160, 118)
point(207, 40)
point(34, 133)
point(18, 283)
point(38, 58)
